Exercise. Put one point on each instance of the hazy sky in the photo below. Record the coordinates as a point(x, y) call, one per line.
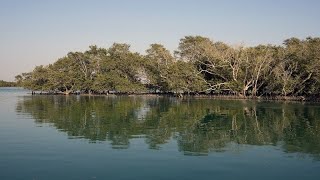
point(39, 32)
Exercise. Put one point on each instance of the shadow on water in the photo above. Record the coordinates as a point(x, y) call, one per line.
point(198, 126)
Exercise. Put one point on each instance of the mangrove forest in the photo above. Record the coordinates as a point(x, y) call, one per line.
point(198, 66)
point(7, 84)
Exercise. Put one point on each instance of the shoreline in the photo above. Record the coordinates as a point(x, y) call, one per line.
point(196, 96)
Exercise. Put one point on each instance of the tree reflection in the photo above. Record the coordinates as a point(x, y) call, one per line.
point(199, 126)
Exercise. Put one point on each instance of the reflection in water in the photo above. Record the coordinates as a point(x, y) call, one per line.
point(199, 126)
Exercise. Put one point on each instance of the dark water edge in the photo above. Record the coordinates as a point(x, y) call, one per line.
point(200, 96)
point(152, 137)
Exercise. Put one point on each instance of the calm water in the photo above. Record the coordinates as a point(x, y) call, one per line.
point(73, 137)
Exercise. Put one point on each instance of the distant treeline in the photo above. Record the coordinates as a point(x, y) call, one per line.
point(7, 84)
point(198, 66)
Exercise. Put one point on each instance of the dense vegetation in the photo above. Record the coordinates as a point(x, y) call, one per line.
point(199, 65)
point(7, 84)
point(197, 125)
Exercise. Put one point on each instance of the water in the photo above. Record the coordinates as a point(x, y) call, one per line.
point(82, 137)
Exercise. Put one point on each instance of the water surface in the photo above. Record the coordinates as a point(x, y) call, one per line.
point(83, 137)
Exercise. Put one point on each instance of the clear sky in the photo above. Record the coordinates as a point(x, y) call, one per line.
point(38, 32)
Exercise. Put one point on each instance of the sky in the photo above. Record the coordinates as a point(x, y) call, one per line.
point(38, 32)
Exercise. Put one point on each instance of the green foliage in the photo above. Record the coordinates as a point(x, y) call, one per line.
point(199, 65)
point(183, 77)
point(7, 84)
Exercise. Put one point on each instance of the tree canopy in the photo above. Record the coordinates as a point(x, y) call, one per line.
point(199, 65)
point(7, 84)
